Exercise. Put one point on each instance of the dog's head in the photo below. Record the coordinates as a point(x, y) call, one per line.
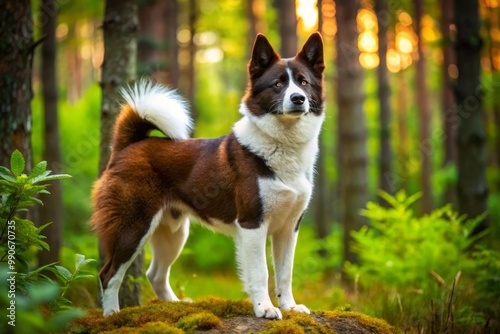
point(288, 87)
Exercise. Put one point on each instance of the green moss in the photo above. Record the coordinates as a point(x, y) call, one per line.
point(373, 324)
point(211, 313)
point(201, 321)
point(156, 327)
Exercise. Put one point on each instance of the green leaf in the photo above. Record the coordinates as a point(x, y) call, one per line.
point(17, 163)
point(54, 177)
point(62, 273)
point(45, 292)
point(38, 169)
point(6, 174)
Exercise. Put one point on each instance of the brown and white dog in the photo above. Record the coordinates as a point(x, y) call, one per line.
point(252, 183)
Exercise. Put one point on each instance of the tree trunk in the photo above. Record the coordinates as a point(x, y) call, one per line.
point(252, 24)
point(472, 189)
point(322, 189)
point(400, 179)
point(449, 111)
point(494, 25)
point(191, 77)
point(287, 27)
point(157, 45)
point(384, 98)
point(424, 116)
point(119, 67)
point(351, 124)
point(16, 55)
point(52, 210)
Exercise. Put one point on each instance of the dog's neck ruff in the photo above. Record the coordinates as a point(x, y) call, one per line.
point(288, 146)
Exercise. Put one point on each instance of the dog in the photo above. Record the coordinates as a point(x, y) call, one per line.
point(253, 183)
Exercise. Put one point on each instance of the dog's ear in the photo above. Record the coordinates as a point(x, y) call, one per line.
point(312, 54)
point(263, 56)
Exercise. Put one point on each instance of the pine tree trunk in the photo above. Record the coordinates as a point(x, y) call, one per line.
point(191, 77)
point(52, 210)
point(384, 97)
point(252, 25)
point(449, 111)
point(424, 117)
point(16, 55)
point(351, 124)
point(157, 45)
point(287, 27)
point(120, 54)
point(472, 189)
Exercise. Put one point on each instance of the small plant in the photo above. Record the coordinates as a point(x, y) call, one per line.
point(34, 301)
point(411, 266)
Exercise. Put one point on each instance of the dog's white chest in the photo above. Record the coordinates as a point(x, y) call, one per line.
point(284, 201)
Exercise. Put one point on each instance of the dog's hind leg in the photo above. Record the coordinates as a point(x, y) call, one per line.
point(126, 246)
point(167, 243)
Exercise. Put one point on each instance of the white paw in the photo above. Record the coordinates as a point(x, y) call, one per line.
point(297, 308)
point(267, 310)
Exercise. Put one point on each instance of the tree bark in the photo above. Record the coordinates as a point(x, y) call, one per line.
point(351, 123)
point(384, 98)
point(52, 210)
point(472, 189)
point(157, 45)
point(16, 56)
point(287, 27)
point(193, 17)
point(448, 99)
point(424, 116)
point(119, 67)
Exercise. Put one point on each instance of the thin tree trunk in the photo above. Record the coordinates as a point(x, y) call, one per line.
point(52, 210)
point(193, 17)
point(157, 45)
point(322, 188)
point(400, 179)
point(252, 24)
point(493, 25)
point(16, 55)
point(287, 26)
point(384, 97)
point(424, 116)
point(171, 47)
point(120, 54)
point(472, 189)
point(449, 110)
point(351, 124)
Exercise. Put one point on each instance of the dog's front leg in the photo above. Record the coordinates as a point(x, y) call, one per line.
point(283, 244)
point(251, 256)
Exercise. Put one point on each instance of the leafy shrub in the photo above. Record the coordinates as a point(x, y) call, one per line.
point(34, 302)
point(410, 266)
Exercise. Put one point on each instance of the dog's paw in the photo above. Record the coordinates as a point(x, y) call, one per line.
point(297, 308)
point(267, 310)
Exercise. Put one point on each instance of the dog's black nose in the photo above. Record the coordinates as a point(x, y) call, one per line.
point(297, 99)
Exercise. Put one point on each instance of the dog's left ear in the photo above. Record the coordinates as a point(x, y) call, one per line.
point(312, 54)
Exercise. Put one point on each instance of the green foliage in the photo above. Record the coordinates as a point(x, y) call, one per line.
point(410, 266)
point(37, 302)
point(17, 193)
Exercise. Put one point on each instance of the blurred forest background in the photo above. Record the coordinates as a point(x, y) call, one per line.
point(405, 220)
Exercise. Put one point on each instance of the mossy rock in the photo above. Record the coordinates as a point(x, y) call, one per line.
point(214, 315)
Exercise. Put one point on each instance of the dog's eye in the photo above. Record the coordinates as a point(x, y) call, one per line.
point(304, 83)
point(278, 84)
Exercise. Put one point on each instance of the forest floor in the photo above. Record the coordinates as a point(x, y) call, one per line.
point(213, 315)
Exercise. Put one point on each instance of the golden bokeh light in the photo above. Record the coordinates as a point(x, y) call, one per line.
point(404, 42)
point(367, 20)
point(369, 60)
point(393, 60)
point(405, 18)
point(307, 13)
point(368, 42)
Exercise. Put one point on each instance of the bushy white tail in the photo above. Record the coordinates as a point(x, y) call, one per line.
point(161, 106)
